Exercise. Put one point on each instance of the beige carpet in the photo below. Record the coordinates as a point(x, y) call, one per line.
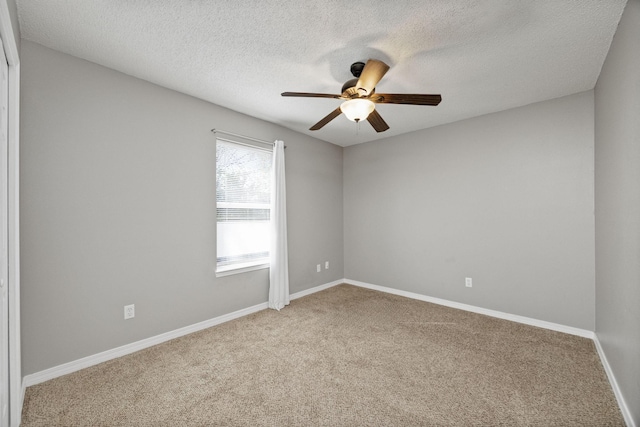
point(345, 356)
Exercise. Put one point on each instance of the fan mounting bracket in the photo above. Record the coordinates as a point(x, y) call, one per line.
point(356, 69)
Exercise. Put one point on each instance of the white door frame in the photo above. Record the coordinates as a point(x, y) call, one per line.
point(16, 391)
point(4, 239)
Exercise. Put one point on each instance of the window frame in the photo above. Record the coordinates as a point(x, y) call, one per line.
point(240, 267)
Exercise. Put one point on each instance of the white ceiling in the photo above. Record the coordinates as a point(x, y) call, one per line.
point(481, 55)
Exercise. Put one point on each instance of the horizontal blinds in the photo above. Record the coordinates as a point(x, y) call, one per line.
point(242, 174)
point(243, 185)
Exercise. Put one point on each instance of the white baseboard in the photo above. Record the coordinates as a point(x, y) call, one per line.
point(95, 359)
point(104, 356)
point(85, 362)
point(493, 313)
point(626, 412)
point(316, 289)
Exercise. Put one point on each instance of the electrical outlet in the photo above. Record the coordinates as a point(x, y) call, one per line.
point(318, 268)
point(468, 282)
point(326, 265)
point(129, 311)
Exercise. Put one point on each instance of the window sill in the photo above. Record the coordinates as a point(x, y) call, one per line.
point(239, 268)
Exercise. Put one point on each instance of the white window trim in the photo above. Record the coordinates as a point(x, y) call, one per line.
point(247, 144)
point(241, 268)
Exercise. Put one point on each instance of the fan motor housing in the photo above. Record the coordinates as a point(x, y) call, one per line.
point(349, 84)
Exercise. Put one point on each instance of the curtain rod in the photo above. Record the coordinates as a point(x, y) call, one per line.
point(242, 136)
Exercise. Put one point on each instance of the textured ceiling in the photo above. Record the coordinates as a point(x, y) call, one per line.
point(482, 56)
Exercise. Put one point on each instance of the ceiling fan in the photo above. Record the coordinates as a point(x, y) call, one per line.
point(360, 98)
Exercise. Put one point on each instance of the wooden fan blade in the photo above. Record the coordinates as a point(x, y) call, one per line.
point(311, 95)
point(371, 74)
point(406, 98)
point(377, 121)
point(332, 115)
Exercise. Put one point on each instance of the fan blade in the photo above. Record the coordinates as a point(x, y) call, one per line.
point(311, 95)
point(371, 74)
point(377, 121)
point(406, 98)
point(332, 115)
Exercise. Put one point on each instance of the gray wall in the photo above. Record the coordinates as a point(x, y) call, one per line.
point(617, 201)
point(118, 207)
point(506, 199)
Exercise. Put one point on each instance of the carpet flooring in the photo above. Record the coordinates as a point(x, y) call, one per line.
point(346, 356)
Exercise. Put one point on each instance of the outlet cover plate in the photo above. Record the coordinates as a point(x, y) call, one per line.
point(129, 311)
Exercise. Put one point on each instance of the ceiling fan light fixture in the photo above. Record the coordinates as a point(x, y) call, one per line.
point(357, 109)
point(359, 92)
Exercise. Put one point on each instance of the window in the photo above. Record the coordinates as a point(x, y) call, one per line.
point(243, 186)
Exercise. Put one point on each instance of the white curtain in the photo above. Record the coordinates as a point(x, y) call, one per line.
point(279, 269)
